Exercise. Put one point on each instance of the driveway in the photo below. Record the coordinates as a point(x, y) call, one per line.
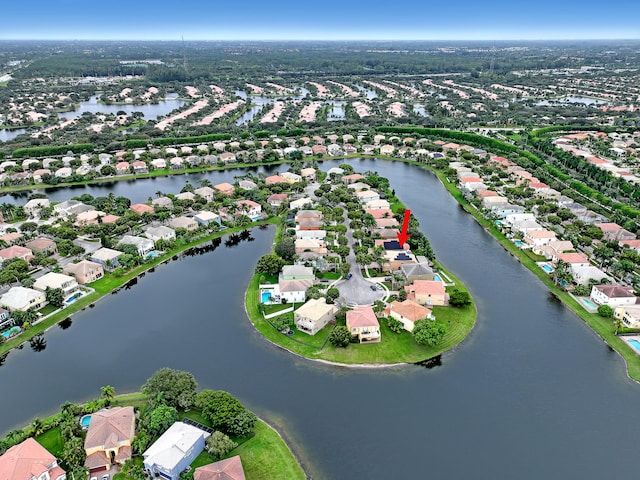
point(357, 290)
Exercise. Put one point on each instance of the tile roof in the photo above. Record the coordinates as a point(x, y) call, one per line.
point(27, 460)
point(227, 469)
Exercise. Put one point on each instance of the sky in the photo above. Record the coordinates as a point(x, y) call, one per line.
point(319, 20)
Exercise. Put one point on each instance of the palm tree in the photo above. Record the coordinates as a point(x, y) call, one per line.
point(107, 392)
point(37, 426)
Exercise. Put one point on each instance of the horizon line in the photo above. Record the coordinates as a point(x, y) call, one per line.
point(583, 39)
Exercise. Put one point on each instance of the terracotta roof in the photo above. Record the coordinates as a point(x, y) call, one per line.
point(108, 427)
point(27, 460)
point(427, 287)
point(572, 257)
point(227, 469)
point(96, 459)
point(40, 243)
point(140, 208)
point(615, 291)
point(362, 317)
point(295, 285)
point(410, 310)
point(15, 251)
point(380, 213)
point(608, 227)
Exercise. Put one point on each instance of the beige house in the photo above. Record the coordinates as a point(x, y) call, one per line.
point(22, 299)
point(109, 438)
point(310, 245)
point(188, 223)
point(314, 315)
point(53, 280)
point(362, 322)
point(30, 461)
point(428, 292)
point(629, 315)
point(408, 312)
point(84, 271)
point(42, 245)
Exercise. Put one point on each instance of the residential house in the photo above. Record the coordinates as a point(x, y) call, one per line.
point(162, 202)
point(428, 292)
point(89, 218)
point(39, 173)
point(71, 207)
point(300, 203)
point(387, 150)
point(144, 246)
point(224, 188)
point(275, 179)
point(503, 210)
point(614, 232)
point(105, 159)
point(311, 234)
point(294, 291)
point(247, 185)
point(159, 163)
point(84, 271)
point(227, 469)
point(377, 205)
point(613, 295)
point(492, 201)
point(140, 167)
point(359, 186)
point(292, 177)
point(22, 299)
point(353, 178)
point(33, 207)
point(319, 149)
point(334, 150)
point(416, 271)
point(554, 247)
point(582, 274)
point(309, 223)
point(629, 315)
point(362, 322)
point(176, 163)
point(308, 214)
point(572, 258)
point(308, 174)
point(16, 251)
point(106, 257)
point(174, 451)
point(539, 238)
point(277, 199)
point(297, 272)
point(109, 438)
point(227, 157)
point(30, 461)
point(141, 208)
point(63, 172)
point(5, 320)
point(335, 171)
point(11, 238)
point(310, 245)
point(314, 315)
point(206, 217)
point(366, 196)
point(207, 193)
point(155, 233)
point(186, 196)
point(188, 223)
point(251, 209)
point(52, 280)
point(390, 223)
point(408, 312)
point(122, 168)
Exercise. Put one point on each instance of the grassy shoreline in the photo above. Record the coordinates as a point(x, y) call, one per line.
point(110, 283)
point(265, 455)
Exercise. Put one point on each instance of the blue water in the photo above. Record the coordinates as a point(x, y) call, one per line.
point(589, 303)
point(547, 268)
point(11, 331)
point(519, 243)
point(634, 343)
point(437, 278)
point(85, 421)
point(74, 298)
point(266, 296)
point(152, 255)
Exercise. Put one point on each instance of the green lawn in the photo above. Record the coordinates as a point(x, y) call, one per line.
point(394, 347)
point(52, 441)
point(47, 309)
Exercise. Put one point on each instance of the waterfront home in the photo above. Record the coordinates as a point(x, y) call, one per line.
point(362, 322)
point(84, 271)
point(554, 247)
point(379, 213)
point(16, 251)
point(109, 438)
point(390, 223)
point(468, 185)
point(206, 217)
point(525, 226)
point(155, 233)
point(104, 159)
point(582, 274)
point(159, 163)
point(614, 232)
point(5, 318)
point(251, 209)
point(38, 174)
point(296, 272)
point(174, 451)
point(33, 207)
point(502, 211)
point(144, 246)
point(314, 315)
point(224, 188)
point(359, 186)
point(207, 193)
point(377, 205)
point(514, 218)
point(186, 196)
point(311, 234)
point(52, 280)
point(176, 163)
point(227, 157)
point(539, 238)
point(140, 167)
point(89, 218)
point(319, 149)
point(141, 208)
point(188, 223)
point(408, 312)
point(275, 179)
point(292, 177)
point(63, 172)
point(22, 299)
point(613, 295)
point(308, 214)
point(428, 292)
point(416, 271)
point(227, 469)
point(30, 461)
point(572, 258)
point(367, 196)
point(308, 173)
point(353, 178)
point(162, 202)
point(310, 245)
point(629, 315)
point(335, 171)
point(387, 149)
point(247, 185)
point(294, 291)
point(122, 168)
point(106, 257)
point(71, 207)
point(492, 201)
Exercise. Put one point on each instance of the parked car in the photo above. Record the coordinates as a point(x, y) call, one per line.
point(374, 288)
point(349, 275)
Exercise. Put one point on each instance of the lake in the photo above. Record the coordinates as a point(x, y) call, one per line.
point(533, 393)
point(150, 111)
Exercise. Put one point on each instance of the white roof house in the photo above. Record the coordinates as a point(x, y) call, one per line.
point(300, 203)
point(144, 245)
point(160, 232)
point(174, 450)
point(56, 280)
point(21, 298)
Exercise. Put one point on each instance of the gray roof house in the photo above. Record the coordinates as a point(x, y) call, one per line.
point(143, 245)
point(416, 271)
point(159, 232)
point(106, 257)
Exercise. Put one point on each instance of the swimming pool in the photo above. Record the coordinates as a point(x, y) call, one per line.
point(11, 332)
point(589, 303)
point(547, 268)
point(634, 343)
point(153, 254)
point(85, 421)
point(73, 298)
point(266, 297)
point(437, 278)
point(519, 243)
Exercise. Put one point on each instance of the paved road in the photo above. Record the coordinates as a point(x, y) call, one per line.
point(356, 290)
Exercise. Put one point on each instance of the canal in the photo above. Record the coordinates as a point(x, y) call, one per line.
point(533, 393)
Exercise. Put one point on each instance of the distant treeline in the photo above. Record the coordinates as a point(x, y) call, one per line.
point(52, 150)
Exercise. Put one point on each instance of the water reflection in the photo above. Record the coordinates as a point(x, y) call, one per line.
point(38, 343)
point(66, 323)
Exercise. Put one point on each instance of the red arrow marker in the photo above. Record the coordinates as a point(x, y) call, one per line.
point(403, 236)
